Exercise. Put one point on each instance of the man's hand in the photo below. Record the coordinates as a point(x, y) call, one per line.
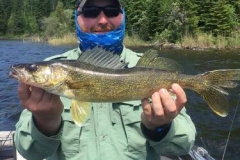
point(163, 108)
point(45, 107)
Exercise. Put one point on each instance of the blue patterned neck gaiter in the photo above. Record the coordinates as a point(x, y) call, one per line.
point(111, 41)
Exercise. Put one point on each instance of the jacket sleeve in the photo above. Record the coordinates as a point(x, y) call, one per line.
point(30, 142)
point(180, 137)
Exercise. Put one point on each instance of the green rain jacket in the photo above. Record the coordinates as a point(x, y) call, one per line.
point(112, 131)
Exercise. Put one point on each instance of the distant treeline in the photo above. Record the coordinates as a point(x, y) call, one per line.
point(168, 20)
point(36, 17)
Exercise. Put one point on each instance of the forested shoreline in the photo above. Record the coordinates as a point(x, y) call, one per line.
point(155, 21)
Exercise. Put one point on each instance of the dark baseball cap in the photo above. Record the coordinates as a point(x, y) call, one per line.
point(81, 3)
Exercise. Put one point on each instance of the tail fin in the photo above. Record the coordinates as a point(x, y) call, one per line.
point(213, 94)
point(223, 77)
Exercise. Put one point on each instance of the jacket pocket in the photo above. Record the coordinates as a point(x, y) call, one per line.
point(131, 117)
point(70, 134)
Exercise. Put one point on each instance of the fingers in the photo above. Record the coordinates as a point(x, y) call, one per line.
point(157, 107)
point(26, 93)
point(181, 98)
point(163, 108)
point(147, 108)
point(36, 94)
point(30, 97)
point(168, 104)
point(23, 92)
point(147, 114)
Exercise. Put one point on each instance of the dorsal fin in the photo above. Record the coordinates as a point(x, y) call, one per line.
point(151, 59)
point(101, 58)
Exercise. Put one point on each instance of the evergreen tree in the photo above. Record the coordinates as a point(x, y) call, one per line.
point(159, 17)
point(31, 25)
point(217, 17)
point(135, 16)
point(2, 19)
point(69, 4)
point(58, 23)
point(126, 5)
point(154, 18)
point(205, 14)
point(188, 16)
point(236, 5)
point(16, 20)
point(7, 7)
point(223, 18)
point(42, 9)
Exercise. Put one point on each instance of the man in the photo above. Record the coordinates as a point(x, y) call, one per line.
point(134, 130)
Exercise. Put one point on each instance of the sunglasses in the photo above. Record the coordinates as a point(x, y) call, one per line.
point(94, 11)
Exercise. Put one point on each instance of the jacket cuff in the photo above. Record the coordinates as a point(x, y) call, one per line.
point(157, 134)
point(40, 137)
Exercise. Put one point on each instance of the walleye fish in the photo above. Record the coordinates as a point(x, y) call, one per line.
point(99, 76)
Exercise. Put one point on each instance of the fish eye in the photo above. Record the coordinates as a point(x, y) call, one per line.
point(32, 67)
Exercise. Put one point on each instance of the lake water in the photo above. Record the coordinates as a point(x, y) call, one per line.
point(212, 129)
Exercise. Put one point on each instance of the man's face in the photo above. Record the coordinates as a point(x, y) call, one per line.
point(101, 23)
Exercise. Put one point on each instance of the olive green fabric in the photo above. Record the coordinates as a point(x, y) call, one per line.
point(112, 131)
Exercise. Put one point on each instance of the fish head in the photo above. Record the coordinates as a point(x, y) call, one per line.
point(46, 75)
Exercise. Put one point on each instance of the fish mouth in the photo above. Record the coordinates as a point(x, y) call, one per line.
point(16, 74)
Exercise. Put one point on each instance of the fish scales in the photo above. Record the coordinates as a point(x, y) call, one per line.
point(108, 85)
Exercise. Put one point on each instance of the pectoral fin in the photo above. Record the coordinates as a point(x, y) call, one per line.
point(80, 111)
